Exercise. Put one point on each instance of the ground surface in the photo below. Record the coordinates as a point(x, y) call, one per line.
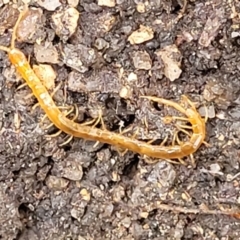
point(87, 191)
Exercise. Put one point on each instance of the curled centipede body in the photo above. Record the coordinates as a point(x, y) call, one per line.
point(19, 60)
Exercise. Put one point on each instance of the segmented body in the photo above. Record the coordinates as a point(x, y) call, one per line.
point(46, 102)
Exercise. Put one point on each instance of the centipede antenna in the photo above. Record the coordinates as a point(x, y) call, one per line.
point(14, 35)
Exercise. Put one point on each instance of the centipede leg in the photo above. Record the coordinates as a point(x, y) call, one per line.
point(192, 160)
point(22, 86)
point(186, 100)
point(51, 124)
point(161, 144)
point(96, 144)
point(182, 161)
point(169, 119)
point(103, 126)
point(164, 141)
point(206, 114)
point(69, 139)
point(76, 112)
point(132, 137)
point(135, 133)
point(59, 132)
point(176, 139)
point(180, 129)
point(100, 119)
point(183, 126)
point(93, 122)
point(206, 144)
point(88, 123)
point(126, 130)
point(54, 134)
point(122, 153)
point(151, 141)
point(66, 142)
point(29, 96)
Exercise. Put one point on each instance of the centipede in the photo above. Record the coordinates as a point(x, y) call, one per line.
point(78, 130)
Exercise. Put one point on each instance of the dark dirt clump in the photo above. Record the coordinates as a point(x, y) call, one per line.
point(106, 54)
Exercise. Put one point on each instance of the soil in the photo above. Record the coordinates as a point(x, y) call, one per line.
point(103, 55)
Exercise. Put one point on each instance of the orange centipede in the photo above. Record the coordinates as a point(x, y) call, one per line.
point(19, 60)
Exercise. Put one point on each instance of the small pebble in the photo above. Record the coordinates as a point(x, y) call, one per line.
point(171, 58)
point(56, 183)
point(50, 5)
point(125, 92)
point(73, 3)
point(107, 3)
point(65, 22)
point(142, 60)
point(46, 53)
point(141, 35)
